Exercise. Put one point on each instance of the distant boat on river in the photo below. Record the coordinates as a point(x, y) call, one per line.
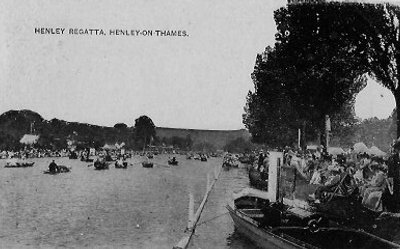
point(18, 164)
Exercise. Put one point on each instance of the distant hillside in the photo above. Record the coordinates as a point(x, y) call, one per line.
point(55, 133)
point(218, 138)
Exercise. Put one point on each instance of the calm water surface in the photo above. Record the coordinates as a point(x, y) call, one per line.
point(116, 208)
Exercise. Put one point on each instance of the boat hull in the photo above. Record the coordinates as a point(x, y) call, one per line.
point(258, 236)
point(19, 165)
point(147, 165)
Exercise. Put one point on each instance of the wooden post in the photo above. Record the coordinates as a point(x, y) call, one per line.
point(191, 211)
point(184, 242)
point(298, 138)
point(208, 182)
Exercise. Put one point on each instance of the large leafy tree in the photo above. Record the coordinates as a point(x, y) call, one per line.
point(384, 49)
point(269, 115)
point(145, 130)
point(325, 68)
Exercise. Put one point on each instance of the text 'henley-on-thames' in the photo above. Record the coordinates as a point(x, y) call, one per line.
point(111, 32)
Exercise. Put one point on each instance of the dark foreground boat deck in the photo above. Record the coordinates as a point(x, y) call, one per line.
point(216, 227)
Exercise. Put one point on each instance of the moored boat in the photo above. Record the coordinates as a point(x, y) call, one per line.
point(276, 225)
point(272, 221)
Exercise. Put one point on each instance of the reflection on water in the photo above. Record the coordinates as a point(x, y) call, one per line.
point(117, 208)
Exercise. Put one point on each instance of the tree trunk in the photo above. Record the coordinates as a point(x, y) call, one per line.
point(303, 136)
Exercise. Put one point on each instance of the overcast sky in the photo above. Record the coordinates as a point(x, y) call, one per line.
point(197, 81)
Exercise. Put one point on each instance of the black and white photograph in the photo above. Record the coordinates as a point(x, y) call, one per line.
point(213, 124)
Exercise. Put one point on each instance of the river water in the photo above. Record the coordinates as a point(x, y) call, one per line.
point(117, 208)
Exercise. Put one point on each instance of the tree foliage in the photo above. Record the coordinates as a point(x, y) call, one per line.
point(269, 114)
point(145, 130)
point(318, 65)
point(120, 126)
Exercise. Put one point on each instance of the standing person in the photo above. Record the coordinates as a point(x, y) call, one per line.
point(391, 200)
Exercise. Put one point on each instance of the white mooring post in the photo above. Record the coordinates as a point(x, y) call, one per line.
point(194, 217)
point(208, 182)
point(191, 211)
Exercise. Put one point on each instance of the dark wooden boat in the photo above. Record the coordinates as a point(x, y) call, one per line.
point(228, 165)
point(172, 162)
point(147, 164)
point(203, 159)
point(20, 165)
point(60, 169)
point(100, 165)
point(276, 225)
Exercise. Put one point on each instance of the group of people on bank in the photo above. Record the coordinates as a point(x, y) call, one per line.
point(370, 179)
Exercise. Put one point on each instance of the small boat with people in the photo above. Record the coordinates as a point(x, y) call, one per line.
point(101, 165)
point(55, 169)
point(15, 163)
point(60, 169)
point(230, 161)
point(271, 219)
point(121, 164)
point(173, 161)
point(147, 164)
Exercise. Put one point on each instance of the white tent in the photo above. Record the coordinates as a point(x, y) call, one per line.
point(119, 146)
point(109, 147)
point(361, 148)
point(376, 151)
point(29, 139)
point(311, 147)
point(335, 150)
